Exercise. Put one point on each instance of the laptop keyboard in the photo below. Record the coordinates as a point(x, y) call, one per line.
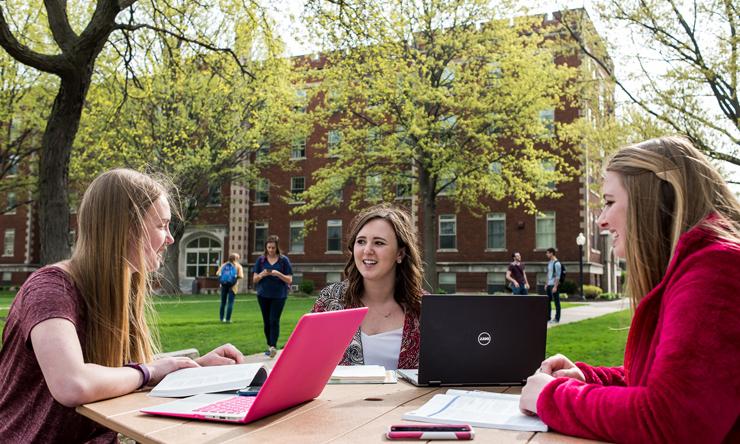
point(235, 405)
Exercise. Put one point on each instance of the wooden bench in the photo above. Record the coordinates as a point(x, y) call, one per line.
point(191, 353)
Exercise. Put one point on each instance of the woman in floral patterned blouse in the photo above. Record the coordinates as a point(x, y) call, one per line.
point(384, 273)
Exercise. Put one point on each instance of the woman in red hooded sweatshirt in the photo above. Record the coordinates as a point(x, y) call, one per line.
point(677, 224)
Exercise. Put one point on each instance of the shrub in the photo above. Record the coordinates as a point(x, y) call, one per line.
point(569, 287)
point(591, 291)
point(307, 286)
point(608, 296)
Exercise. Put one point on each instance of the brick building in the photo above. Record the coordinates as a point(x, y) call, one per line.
point(473, 251)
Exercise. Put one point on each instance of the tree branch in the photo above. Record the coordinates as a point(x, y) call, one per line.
point(56, 14)
point(54, 64)
point(229, 51)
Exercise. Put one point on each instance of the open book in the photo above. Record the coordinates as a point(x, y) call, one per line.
point(481, 409)
point(362, 374)
point(217, 378)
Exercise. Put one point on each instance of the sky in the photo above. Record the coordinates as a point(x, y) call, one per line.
point(287, 15)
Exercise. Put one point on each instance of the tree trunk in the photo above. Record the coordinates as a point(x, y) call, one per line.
point(56, 147)
point(428, 230)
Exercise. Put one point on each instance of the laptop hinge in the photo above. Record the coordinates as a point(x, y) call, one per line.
point(435, 382)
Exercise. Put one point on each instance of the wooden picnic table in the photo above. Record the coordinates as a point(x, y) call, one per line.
point(351, 413)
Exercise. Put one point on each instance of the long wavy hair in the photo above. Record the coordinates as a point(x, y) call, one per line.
point(671, 188)
point(108, 266)
point(407, 290)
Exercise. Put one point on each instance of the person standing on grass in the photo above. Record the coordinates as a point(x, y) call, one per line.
point(384, 273)
point(516, 276)
point(554, 269)
point(272, 277)
point(229, 274)
point(77, 330)
point(677, 225)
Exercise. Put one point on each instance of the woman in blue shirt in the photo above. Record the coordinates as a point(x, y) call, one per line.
point(272, 278)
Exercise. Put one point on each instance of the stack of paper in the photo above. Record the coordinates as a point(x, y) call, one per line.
point(362, 374)
point(481, 409)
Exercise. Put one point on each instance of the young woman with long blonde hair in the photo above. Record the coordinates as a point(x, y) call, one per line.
point(677, 224)
point(77, 331)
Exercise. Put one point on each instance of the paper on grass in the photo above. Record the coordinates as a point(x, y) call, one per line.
point(362, 374)
point(217, 378)
point(481, 409)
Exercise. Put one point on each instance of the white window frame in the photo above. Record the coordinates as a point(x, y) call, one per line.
point(208, 251)
point(446, 219)
point(295, 235)
point(9, 242)
point(260, 226)
point(11, 201)
point(333, 277)
point(293, 195)
point(333, 224)
point(333, 139)
point(453, 281)
point(298, 148)
point(493, 217)
point(262, 192)
point(496, 278)
point(540, 241)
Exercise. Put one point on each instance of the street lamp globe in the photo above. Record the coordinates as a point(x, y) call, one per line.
point(581, 240)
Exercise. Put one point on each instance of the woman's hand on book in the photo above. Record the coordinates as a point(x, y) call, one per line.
point(531, 391)
point(223, 355)
point(162, 367)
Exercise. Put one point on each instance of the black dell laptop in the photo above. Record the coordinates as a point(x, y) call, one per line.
point(480, 340)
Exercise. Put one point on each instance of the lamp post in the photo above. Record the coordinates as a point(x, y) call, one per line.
point(581, 241)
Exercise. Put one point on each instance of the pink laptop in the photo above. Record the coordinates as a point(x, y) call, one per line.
point(299, 375)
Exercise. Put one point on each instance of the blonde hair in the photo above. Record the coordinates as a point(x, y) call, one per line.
point(115, 287)
point(671, 188)
point(407, 288)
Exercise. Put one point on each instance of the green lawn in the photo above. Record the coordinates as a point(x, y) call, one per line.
point(192, 321)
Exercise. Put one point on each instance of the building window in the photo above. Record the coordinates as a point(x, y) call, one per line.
point(214, 196)
point(447, 232)
point(334, 236)
point(297, 186)
point(403, 188)
point(548, 168)
point(203, 256)
point(260, 236)
point(447, 282)
point(333, 138)
point(373, 187)
point(13, 168)
point(301, 100)
point(333, 277)
point(545, 230)
point(446, 184)
point(296, 237)
point(263, 151)
point(262, 191)
point(9, 242)
point(11, 203)
point(298, 148)
point(7, 277)
point(373, 139)
point(547, 117)
point(495, 282)
point(495, 168)
point(496, 226)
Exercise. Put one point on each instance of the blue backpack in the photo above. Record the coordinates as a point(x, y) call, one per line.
point(228, 275)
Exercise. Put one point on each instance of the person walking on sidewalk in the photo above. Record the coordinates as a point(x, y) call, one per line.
point(554, 270)
point(272, 277)
point(229, 274)
point(516, 275)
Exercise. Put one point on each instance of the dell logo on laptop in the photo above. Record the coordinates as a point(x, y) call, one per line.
point(484, 338)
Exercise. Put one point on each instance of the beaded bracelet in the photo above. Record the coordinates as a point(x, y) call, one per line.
point(144, 372)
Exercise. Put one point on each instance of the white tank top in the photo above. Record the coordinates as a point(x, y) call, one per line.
point(383, 348)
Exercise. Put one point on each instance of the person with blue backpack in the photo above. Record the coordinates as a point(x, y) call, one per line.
point(228, 276)
point(272, 277)
point(555, 277)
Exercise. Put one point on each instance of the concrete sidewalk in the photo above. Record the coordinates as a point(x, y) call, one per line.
point(590, 310)
point(567, 316)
